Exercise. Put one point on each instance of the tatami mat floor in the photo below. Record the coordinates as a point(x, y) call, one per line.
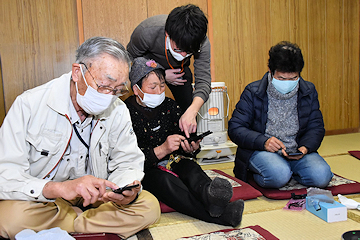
point(269, 214)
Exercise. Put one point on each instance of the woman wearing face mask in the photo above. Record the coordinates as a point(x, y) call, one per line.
point(278, 125)
point(170, 174)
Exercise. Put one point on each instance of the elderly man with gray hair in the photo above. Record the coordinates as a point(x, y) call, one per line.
point(67, 144)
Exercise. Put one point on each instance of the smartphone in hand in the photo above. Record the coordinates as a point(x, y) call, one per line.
point(129, 187)
point(201, 136)
point(294, 153)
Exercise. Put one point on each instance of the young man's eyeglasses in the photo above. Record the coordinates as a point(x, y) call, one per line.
point(118, 91)
point(180, 51)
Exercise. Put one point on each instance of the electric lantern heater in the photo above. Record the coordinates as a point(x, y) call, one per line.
point(213, 116)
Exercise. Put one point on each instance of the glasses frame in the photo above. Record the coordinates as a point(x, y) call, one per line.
point(178, 50)
point(107, 89)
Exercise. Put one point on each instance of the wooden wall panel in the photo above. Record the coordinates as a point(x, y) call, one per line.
point(327, 31)
point(222, 34)
point(12, 50)
point(299, 25)
point(316, 60)
point(238, 54)
point(112, 18)
point(252, 42)
point(334, 63)
point(165, 7)
point(118, 18)
point(351, 62)
point(2, 101)
point(38, 40)
point(279, 20)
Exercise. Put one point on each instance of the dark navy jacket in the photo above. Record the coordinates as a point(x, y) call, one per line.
point(247, 125)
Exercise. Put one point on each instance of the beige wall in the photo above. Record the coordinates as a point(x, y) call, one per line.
point(125, 16)
point(118, 18)
point(327, 32)
point(38, 41)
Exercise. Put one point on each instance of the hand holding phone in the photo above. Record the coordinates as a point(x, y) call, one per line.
point(294, 153)
point(129, 187)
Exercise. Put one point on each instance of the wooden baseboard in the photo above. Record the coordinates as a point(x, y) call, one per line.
point(341, 131)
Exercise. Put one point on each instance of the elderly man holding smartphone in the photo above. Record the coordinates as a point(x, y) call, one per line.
point(66, 143)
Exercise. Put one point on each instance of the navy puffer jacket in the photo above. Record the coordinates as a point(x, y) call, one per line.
point(247, 125)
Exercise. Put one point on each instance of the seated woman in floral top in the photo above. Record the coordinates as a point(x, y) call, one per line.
point(171, 174)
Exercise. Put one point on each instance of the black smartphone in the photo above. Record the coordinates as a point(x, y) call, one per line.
point(195, 138)
point(292, 153)
point(129, 187)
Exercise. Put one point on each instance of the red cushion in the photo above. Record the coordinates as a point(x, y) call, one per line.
point(165, 208)
point(355, 154)
point(337, 185)
point(241, 190)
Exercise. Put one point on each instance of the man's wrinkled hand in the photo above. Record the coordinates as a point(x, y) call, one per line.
point(90, 188)
point(125, 197)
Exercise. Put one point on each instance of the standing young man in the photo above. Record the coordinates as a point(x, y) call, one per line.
point(172, 40)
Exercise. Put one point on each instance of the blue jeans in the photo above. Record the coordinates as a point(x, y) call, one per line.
point(272, 170)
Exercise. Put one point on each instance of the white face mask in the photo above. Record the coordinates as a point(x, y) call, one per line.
point(152, 100)
point(284, 86)
point(176, 55)
point(93, 102)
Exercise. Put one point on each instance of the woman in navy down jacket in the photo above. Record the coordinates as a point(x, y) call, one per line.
point(277, 115)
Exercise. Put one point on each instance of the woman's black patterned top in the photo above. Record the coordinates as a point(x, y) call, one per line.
point(153, 125)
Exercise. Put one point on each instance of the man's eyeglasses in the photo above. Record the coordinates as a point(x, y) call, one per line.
point(118, 91)
point(180, 51)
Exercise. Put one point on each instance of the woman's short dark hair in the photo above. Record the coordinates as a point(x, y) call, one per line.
point(285, 57)
point(159, 72)
point(187, 26)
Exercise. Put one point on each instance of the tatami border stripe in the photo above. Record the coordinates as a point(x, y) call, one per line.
point(335, 155)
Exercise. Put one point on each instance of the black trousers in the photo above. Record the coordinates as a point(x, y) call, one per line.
point(186, 194)
point(183, 93)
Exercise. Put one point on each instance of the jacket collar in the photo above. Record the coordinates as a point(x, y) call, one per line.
point(59, 98)
point(304, 88)
point(261, 91)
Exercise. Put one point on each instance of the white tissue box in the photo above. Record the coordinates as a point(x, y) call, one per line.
point(329, 212)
